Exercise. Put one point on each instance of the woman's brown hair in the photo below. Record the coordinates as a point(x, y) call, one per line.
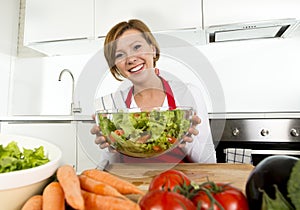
point(116, 32)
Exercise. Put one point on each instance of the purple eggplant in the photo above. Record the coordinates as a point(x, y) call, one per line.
point(273, 170)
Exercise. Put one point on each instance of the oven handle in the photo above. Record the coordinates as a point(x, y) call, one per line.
point(275, 152)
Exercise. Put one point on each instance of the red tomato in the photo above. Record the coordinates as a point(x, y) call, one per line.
point(165, 200)
point(156, 148)
point(172, 140)
point(136, 115)
point(228, 196)
point(119, 132)
point(168, 180)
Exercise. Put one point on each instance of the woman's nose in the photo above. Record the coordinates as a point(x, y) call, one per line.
point(131, 59)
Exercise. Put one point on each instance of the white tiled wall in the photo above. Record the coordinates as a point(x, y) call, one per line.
point(256, 76)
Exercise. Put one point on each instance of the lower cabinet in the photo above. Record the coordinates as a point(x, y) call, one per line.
point(89, 155)
point(61, 134)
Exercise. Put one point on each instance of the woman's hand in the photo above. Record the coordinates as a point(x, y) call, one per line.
point(100, 139)
point(192, 131)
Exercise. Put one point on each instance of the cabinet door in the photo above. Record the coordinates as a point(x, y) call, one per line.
point(218, 12)
point(158, 15)
point(89, 155)
point(50, 20)
point(61, 134)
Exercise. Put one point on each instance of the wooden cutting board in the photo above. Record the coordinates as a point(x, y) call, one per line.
point(142, 174)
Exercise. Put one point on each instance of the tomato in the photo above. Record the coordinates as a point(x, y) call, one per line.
point(165, 200)
point(168, 180)
point(156, 148)
point(119, 132)
point(136, 115)
point(172, 140)
point(228, 196)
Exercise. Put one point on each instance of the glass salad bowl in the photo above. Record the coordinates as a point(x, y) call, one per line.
point(144, 133)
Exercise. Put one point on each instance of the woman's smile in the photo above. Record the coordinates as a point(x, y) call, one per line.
point(136, 68)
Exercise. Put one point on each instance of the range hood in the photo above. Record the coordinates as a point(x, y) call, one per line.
point(192, 36)
point(251, 30)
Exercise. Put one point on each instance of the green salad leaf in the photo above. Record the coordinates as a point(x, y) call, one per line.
point(275, 204)
point(144, 132)
point(13, 159)
point(293, 186)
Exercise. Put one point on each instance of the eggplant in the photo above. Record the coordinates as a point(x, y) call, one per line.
point(273, 170)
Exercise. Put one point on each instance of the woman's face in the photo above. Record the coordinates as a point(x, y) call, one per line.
point(133, 54)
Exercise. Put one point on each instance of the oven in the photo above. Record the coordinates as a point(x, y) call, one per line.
point(262, 137)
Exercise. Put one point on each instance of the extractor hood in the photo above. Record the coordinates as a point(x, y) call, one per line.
point(192, 36)
point(251, 30)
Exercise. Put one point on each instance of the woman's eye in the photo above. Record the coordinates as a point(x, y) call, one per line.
point(118, 55)
point(137, 46)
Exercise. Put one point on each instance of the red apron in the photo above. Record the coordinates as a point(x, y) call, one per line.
point(174, 156)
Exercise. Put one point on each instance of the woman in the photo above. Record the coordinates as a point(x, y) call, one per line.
point(131, 52)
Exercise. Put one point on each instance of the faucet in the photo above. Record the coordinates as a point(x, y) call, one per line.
point(73, 108)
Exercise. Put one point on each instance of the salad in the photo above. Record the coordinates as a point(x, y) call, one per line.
point(146, 133)
point(13, 159)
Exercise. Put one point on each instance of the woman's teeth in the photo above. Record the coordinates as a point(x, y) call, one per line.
point(137, 68)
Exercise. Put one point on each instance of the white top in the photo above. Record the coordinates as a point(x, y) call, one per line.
point(202, 149)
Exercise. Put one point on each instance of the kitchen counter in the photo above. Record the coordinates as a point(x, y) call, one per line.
point(88, 118)
point(141, 174)
point(45, 118)
point(254, 115)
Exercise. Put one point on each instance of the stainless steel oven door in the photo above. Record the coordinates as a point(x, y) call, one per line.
point(275, 152)
point(258, 155)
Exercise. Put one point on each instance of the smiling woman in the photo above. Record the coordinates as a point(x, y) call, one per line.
point(131, 51)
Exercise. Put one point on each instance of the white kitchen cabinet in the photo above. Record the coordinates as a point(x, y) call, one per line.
point(218, 12)
point(61, 134)
point(58, 20)
point(158, 15)
point(74, 27)
point(89, 155)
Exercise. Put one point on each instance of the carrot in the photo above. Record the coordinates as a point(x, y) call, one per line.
point(70, 184)
point(121, 185)
point(93, 201)
point(98, 187)
point(34, 203)
point(53, 197)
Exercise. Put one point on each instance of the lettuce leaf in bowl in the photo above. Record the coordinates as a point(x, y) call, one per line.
point(13, 159)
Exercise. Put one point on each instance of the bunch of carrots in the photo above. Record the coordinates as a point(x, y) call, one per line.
point(92, 189)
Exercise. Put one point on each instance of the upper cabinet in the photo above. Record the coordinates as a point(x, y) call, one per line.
point(56, 27)
point(76, 26)
point(219, 12)
point(158, 15)
point(58, 20)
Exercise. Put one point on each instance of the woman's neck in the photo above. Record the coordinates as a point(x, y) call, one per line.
point(149, 94)
point(152, 84)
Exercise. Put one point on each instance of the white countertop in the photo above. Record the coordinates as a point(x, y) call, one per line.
point(88, 118)
point(45, 118)
point(262, 115)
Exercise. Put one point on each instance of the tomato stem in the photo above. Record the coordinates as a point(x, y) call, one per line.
point(212, 199)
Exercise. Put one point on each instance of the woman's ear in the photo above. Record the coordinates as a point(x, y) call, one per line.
point(154, 51)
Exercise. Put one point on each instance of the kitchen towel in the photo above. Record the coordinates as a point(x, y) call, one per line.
point(238, 155)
